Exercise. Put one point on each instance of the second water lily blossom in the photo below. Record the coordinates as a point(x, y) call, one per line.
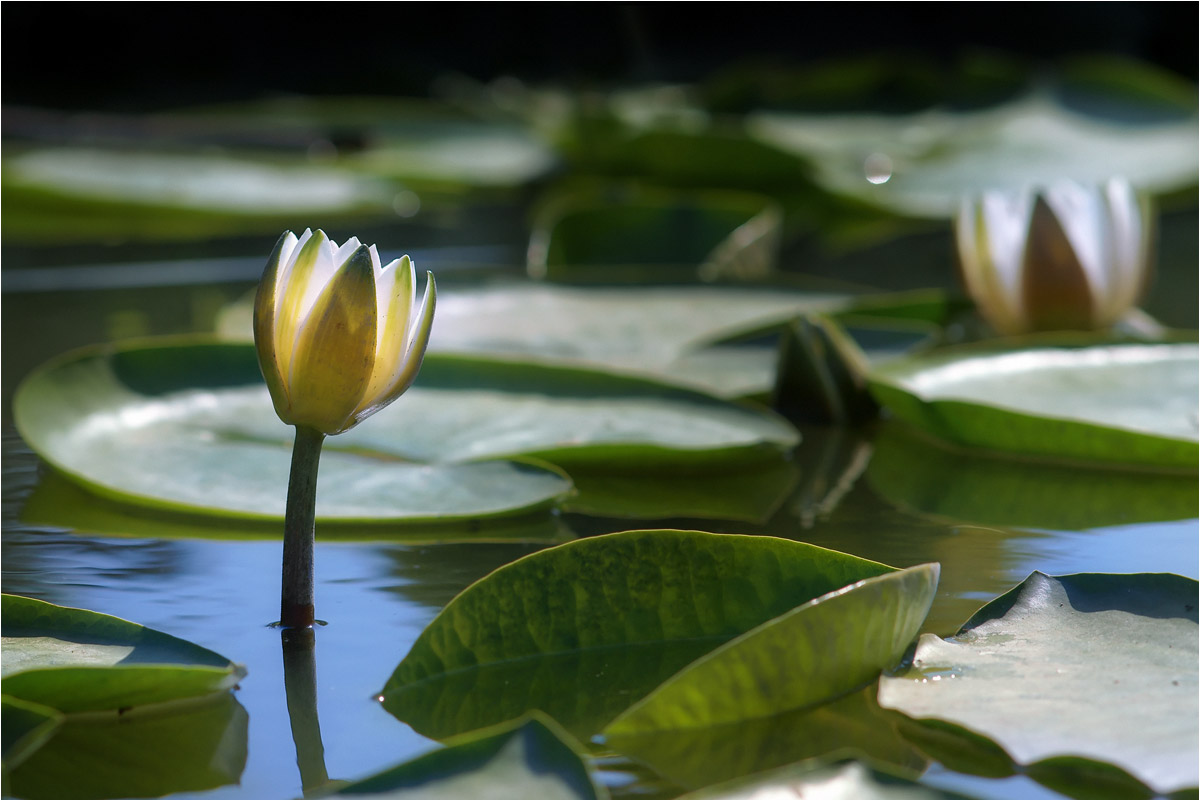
point(337, 334)
point(1069, 256)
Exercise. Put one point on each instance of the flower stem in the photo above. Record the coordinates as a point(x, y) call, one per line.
point(296, 598)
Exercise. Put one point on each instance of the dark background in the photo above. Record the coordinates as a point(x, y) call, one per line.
point(140, 56)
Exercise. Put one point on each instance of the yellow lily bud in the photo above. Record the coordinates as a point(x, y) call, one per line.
point(336, 336)
point(1066, 257)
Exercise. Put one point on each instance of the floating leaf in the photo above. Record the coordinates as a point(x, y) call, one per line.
point(585, 629)
point(701, 757)
point(1059, 667)
point(814, 653)
point(845, 778)
point(1131, 404)
point(921, 476)
point(695, 235)
point(531, 759)
point(75, 660)
point(142, 754)
point(922, 164)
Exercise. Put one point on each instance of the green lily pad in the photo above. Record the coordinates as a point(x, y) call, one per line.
point(585, 629)
point(847, 778)
point(822, 649)
point(77, 192)
point(1125, 404)
point(26, 726)
point(142, 754)
point(187, 425)
point(922, 476)
point(533, 758)
point(75, 660)
point(1095, 667)
point(60, 502)
point(701, 757)
point(697, 235)
point(922, 164)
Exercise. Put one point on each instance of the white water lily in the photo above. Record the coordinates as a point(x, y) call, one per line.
point(1066, 257)
point(336, 333)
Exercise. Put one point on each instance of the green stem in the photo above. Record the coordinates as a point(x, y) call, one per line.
point(300, 686)
point(296, 598)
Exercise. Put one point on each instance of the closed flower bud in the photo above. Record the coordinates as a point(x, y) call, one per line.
point(1066, 257)
point(337, 335)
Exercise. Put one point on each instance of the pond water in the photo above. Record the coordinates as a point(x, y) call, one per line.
point(377, 596)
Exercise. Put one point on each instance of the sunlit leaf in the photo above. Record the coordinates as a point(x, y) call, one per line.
point(814, 653)
point(1094, 667)
point(1130, 404)
point(585, 629)
point(710, 755)
point(75, 660)
point(531, 759)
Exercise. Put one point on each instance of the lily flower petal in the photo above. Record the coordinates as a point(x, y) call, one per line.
point(334, 353)
point(404, 371)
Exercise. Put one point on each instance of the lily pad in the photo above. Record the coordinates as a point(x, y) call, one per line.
point(922, 164)
point(75, 660)
point(701, 757)
point(816, 652)
point(142, 754)
point(585, 629)
point(1028, 669)
point(697, 235)
point(1125, 404)
point(847, 778)
point(531, 758)
point(918, 475)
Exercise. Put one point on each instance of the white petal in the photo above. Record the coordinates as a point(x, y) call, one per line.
point(1129, 244)
point(1005, 219)
point(322, 273)
point(344, 252)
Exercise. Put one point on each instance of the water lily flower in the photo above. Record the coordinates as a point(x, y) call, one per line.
point(1068, 256)
point(336, 335)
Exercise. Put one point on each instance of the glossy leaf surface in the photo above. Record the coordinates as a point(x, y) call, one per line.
point(1060, 667)
point(812, 654)
point(76, 660)
point(1122, 404)
point(585, 629)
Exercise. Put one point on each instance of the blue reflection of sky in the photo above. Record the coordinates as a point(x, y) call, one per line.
point(1167, 547)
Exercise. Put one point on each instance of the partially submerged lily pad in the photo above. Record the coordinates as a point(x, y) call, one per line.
point(75, 660)
point(187, 426)
point(1093, 667)
point(1123, 404)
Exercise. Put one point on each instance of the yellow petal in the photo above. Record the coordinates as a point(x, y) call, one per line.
point(396, 296)
point(264, 323)
point(291, 308)
point(335, 349)
point(402, 374)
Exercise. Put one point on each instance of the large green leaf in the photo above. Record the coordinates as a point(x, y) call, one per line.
point(1064, 672)
point(922, 164)
point(820, 650)
point(75, 660)
point(190, 427)
point(533, 758)
point(1131, 404)
point(585, 629)
point(704, 756)
point(921, 476)
point(141, 754)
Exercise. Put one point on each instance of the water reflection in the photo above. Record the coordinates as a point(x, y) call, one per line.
point(300, 687)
